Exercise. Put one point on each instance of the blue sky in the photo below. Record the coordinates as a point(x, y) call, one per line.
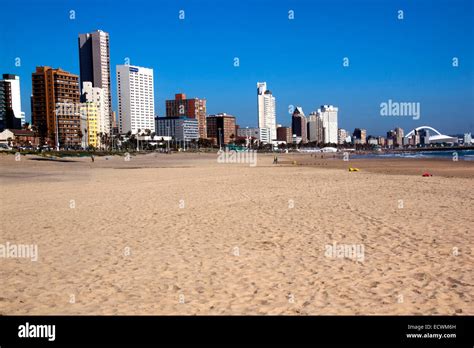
point(407, 60)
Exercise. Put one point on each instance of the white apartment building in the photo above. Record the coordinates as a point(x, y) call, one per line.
point(136, 103)
point(266, 109)
point(96, 96)
point(467, 139)
point(328, 114)
point(262, 134)
point(14, 81)
point(341, 136)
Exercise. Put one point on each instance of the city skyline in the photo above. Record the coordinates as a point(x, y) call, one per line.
point(371, 78)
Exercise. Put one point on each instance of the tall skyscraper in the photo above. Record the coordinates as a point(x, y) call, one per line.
point(266, 109)
point(398, 141)
point(328, 114)
point(94, 61)
point(10, 102)
point(360, 136)
point(315, 128)
point(136, 101)
point(192, 108)
point(298, 125)
point(55, 106)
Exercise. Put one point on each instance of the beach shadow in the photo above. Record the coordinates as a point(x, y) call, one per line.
point(52, 160)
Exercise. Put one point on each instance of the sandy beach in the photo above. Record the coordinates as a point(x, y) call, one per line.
point(183, 234)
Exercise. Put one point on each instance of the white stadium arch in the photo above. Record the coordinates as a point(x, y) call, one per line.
point(437, 138)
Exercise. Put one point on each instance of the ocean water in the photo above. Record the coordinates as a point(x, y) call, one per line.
point(463, 155)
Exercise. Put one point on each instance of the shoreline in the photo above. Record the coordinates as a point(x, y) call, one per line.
point(442, 167)
point(390, 166)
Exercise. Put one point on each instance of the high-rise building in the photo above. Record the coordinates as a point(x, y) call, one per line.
point(381, 141)
point(341, 136)
point(55, 106)
point(10, 102)
point(298, 125)
point(391, 134)
point(424, 135)
point(192, 108)
point(5, 109)
point(328, 114)
point(221, 127)
point(360, 136)
point(94, 62)
point(414, 139)
point(467, 139)
point(284, 134)
point(93, 108)
point(315, 128)
point(266, 109)
point(398, 141)
point(371, 140)
point(136, 102)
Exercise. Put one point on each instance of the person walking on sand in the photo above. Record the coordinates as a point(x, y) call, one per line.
point(92, 157)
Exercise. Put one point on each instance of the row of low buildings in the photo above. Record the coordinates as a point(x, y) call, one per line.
point(394, 138)
point(220, 128)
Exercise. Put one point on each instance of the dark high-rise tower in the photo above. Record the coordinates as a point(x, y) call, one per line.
point(94, 61)
point(298, 124)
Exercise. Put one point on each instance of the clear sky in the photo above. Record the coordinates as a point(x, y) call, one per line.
point(408, 60)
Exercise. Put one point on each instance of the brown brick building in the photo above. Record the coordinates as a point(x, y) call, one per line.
point(284, 134)
point(192, 108)
point(221, 128)
point(55, 105)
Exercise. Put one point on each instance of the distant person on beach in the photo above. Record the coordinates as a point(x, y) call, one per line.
point(275, 159)
point(92, 157)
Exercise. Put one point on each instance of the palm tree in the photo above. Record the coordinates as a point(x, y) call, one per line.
point(99, 134)
point(87, 139)
point(34, 129)
point(138, 141)
point(80, 135)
